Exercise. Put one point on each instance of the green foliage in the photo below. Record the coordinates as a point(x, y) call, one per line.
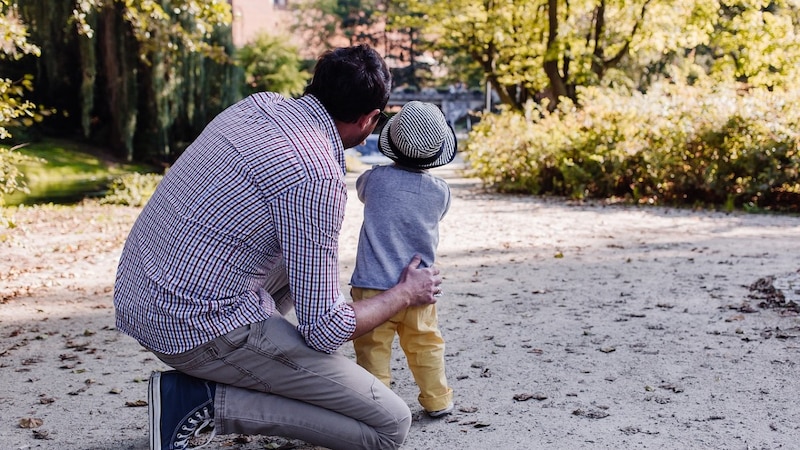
point(159, 25)
point(11, 177)
point(534, 48)
point(133, 189)
point(140, 78)
point(14, 33)
point(677, 144)
point(272, 65)
point(756, 42)
point(61, 172)
point(15, 110)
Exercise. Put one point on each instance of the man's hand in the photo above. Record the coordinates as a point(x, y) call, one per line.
point(417, 287)
point(422, 283)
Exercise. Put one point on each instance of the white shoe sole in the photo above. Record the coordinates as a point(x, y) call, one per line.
point(154, 408)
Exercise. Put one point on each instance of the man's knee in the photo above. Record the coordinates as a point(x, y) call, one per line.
point(394, 439)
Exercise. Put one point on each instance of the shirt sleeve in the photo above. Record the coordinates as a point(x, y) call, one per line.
point(448, 198)
point(308, 220)
point(361, 183)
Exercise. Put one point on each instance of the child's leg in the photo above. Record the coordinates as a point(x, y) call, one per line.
point(374, 349)
point(424, 348)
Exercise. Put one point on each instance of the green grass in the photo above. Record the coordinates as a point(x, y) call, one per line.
point(69, 173)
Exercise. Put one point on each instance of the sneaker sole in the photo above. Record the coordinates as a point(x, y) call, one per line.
point(154, 408)
point(442, 412)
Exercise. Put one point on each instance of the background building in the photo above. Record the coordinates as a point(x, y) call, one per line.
point(251, 17)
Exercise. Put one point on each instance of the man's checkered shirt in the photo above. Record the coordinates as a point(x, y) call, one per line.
point(265, 179)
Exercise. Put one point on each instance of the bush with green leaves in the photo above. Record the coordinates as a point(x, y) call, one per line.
point(710, 145)
point(11, 177)
point(270, 64)
point(133, 189)
point(15, 110)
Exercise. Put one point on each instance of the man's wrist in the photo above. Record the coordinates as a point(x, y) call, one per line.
point(401, 293)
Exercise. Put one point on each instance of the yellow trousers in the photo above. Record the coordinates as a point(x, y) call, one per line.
point(422, 343)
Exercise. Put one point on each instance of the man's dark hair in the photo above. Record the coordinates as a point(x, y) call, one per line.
point(351, 82)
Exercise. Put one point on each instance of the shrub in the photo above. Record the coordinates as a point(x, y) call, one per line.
point(675, 144)
point(133, 189)
point(270, 64)
point(11, 177)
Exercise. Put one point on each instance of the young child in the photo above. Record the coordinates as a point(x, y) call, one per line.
point(403, 205)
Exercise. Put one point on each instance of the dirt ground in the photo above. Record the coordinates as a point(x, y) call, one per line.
point(568, 326)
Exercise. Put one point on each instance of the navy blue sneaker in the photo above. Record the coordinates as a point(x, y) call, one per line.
point(180, 407)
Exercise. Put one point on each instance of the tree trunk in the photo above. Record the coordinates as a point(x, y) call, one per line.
point(105, 93)
point(558, 87)
point(54, 72)
point(120, 78)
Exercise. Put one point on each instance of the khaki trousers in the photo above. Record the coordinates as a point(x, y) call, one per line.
point(421, 341)
point(271, 383)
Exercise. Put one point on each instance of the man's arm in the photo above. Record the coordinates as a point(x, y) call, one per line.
point(417, 287)
point(307, 219)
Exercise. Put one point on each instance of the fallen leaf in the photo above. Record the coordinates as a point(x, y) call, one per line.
point(242, 439)
point(78, 391)
point(523, 397)
point(30, 422)
point(672, 387)
point(41, 434)
point(628, 431)
point(591, 414)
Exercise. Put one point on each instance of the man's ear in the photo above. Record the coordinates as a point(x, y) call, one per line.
point(369, 119)
point(352, 131)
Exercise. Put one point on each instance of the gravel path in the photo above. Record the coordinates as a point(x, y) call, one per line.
point(568, 325)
